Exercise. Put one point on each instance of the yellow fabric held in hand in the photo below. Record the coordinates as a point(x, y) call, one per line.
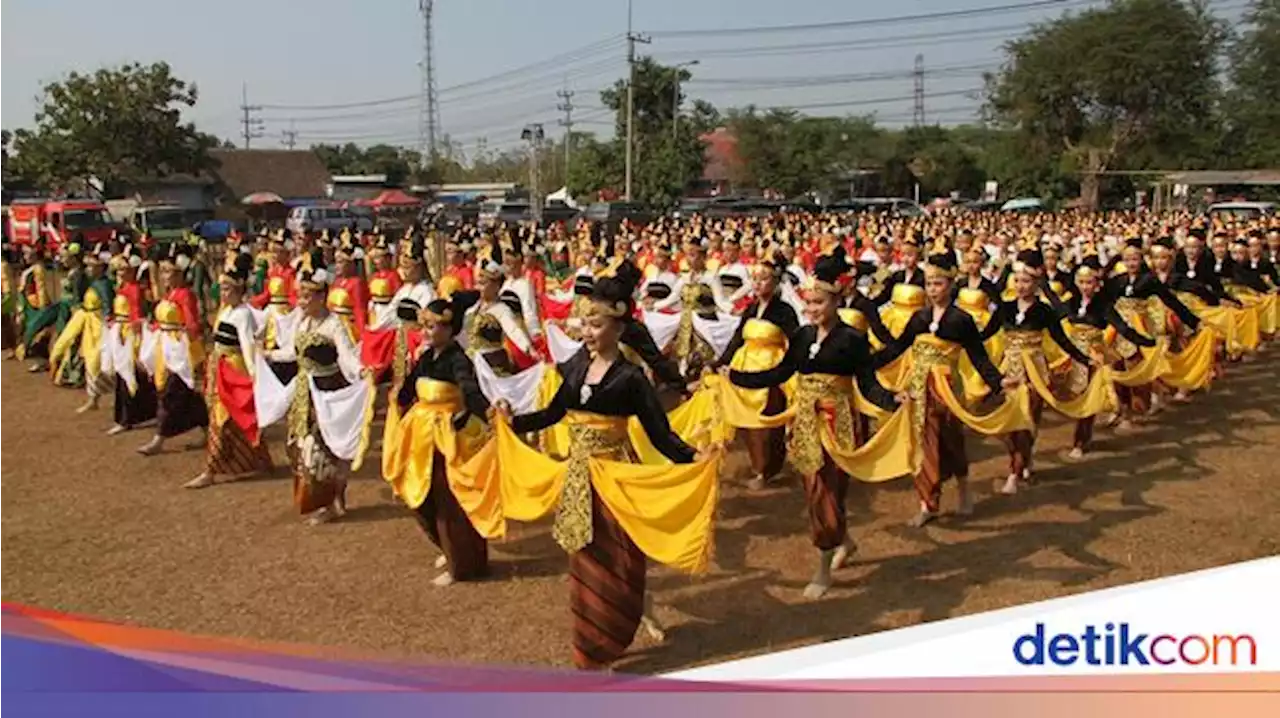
point(1192, 368)
point(888, 454)
point(1098, 397)
point(667, 510)
point(87, 327)
point(1152, 365)
point(1012, 415)
point(763, 346)
point(410, 445)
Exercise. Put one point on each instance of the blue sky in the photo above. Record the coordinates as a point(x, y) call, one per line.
point(342, 52)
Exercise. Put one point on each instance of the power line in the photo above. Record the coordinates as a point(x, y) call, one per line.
point(875, 22)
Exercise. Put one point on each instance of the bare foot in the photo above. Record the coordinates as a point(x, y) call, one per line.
point(922, 518)
point(1124, 425)
point(117, 429)
point(204, 480)
point(86, 407)
point(842, 554)
point(653, 629)
point(151, 448)
point(756, 483)
point(444, 579)
point(816, 590)
point(35, 369)
point(442, 561)
point(1182, 397)
point(1076, 453)
point(1010, 486)
point(323, 516)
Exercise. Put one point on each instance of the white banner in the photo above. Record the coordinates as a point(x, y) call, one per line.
point(1216, 621)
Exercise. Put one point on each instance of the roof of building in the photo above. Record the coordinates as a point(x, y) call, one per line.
point(288, 173)
point(1202, 178)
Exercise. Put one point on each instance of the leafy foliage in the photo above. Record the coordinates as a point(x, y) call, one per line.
point(117, 125)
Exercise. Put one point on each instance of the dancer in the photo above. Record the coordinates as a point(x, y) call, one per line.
point(1024, 321)
point(235, 448)
point(601, 390)
point(78, 349)
point(440, 427)
point(1088, 315)
point(829, 356)
point(329, 414)
point(135, 390)
point(936, 335)
point(178, 357)
point(491, 329)
point(759, 344)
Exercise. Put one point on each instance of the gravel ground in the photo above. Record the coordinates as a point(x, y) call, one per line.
point(96, 529)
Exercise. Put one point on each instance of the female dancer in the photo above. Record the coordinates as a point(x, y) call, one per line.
point(829, 355)
point(439, 427)
point(1024, 321)
point(235, 447)
point(1088, 315)
point(135, 391)
point(177, 358)
point(600, 391)
point(758, 345)
point(328, 366)
point(936, 335)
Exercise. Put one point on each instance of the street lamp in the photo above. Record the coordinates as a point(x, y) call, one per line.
point(675, 98)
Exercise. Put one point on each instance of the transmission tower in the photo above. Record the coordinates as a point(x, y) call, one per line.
point(289, 137)
point(428, 109)
point(917, 112)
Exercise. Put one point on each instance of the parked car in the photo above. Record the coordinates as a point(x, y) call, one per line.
point(317, 218)
point(886, 205)
point(1243, 210)
point(1024, 205)
point(616, 212)
point(557, 211)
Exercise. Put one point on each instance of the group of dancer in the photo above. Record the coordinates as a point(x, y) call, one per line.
point(596, 376)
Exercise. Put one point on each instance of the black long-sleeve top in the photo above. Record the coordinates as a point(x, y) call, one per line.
point(1064, 279)
point(1199, 278)
point(1144, 286)
point(622, 391)
point(450, 365)
point(916, 277)
point(776, 312)
point(1253, 273)
point(1098, 313)
point(843, 352)
point(954, 326)
point(859, 301)
point(1039, 316)
point(640, 339)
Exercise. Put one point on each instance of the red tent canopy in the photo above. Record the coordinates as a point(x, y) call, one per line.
point(392, 198)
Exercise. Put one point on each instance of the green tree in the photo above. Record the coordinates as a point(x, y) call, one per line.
point(1253, 102)
point(117, 125)
point(1098, 88)
point(788, 153)
point(666, 155)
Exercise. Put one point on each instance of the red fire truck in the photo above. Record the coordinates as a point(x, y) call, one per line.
point(59, 221)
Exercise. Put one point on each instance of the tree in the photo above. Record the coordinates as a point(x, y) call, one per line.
point(116, 125)
point(1253, 107)
point(785, 152)
point(399, 164)
point(666, 155)
point(1108, 84)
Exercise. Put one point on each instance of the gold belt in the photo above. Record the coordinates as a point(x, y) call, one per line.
point(814, 393)
point(1023, 340)
point(590, 435)
point(231, 354)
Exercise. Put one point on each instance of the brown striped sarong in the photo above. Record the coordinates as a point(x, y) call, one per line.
point(825, 494)
point(230, 453)
point(767, 448)
point(944, 453)
point(606, 591)
point(1134, 400)
point(448, 527)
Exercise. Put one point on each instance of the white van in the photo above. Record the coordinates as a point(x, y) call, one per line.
point(317, 218)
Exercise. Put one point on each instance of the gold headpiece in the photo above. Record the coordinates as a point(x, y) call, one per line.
point(616, 310)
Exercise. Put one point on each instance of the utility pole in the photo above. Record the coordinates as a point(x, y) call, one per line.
point(533, 134)
point(567, 123)
point(251, 124)
point(632, 39)
point(917, 112)
point(289, 137)
point(428, 103)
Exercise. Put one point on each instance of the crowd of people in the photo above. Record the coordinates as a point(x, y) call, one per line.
point(596, 375)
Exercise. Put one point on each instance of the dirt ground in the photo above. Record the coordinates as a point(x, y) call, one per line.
point(94, 528)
